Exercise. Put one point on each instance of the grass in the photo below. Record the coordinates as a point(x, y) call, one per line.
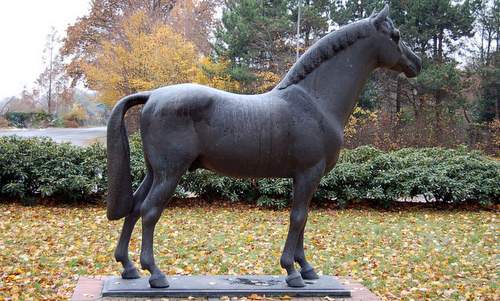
point(411, 254)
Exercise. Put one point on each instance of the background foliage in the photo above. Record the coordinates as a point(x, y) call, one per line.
point(34, 168)
point(246, 46)
point(251, 44)
point(25, 119)
point(150, 55)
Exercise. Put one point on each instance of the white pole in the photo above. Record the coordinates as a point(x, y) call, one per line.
point(298, 29)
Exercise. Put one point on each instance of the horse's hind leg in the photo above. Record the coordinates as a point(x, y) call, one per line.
point(121, 252)
point(164, 183)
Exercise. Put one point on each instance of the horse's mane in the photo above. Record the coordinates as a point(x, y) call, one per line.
point(326, 48)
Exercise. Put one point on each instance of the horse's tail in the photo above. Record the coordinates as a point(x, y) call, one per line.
point(120, 195)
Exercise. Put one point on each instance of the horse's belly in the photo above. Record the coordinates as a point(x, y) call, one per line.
point(246, 158)
point(244, 169)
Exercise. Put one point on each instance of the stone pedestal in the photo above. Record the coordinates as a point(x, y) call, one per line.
point(215, 287)
point(219, 286)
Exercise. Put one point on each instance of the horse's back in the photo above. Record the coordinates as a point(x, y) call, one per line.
point(235, 135)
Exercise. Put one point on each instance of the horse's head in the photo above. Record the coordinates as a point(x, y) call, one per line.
point(392, 51)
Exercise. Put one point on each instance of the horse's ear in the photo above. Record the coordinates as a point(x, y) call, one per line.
point(382, 15)
point(374, 13)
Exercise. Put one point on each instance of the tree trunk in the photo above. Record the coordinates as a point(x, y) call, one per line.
point(307, 39)
point(434, 47)
point(440, 46)
point(398, 106)
point(437, 122)
point(481, 49)
point(399, 86)
point(497, 108)
point(488, 47)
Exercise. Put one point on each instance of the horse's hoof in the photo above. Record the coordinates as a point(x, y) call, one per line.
point(295, 280)
point(310, 274)
point(158, 281)
point(132, 273)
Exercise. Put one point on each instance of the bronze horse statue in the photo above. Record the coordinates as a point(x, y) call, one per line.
point(293, 131)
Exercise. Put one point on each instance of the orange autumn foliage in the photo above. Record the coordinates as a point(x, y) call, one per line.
point(149, 56)
point(152, 55)
point(214, 74)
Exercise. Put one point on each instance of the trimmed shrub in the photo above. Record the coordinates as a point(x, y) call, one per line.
point(28, 119)
point(36, 167)
point(39, 167)
point(366, 173)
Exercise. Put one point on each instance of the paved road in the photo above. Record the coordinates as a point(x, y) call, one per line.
point(78, 136)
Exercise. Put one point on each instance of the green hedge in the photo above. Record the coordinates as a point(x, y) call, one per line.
point(38, 167)
point(33, 168)
point(366, 173)
point(29, 119)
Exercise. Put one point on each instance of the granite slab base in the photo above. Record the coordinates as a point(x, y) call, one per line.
point(218, 286)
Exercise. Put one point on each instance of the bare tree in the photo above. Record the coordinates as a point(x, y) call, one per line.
point(52, 82)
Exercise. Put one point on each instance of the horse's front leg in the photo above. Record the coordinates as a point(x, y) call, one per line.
point(121, 252)
point(304, 185)
point(306, 269)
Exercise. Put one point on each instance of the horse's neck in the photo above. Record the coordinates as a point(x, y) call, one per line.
point(336, 84)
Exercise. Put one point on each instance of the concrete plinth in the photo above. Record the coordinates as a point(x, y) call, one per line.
point(215, 287)
point(219, 286)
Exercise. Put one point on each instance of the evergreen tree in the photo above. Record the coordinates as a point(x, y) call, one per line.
point(344, 12)
point(254, 35)
point(259, 36)
point(488, 104)
point(314, 18)
point(435, 27)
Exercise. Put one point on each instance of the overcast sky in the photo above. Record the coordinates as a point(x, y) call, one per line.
point(24, 25)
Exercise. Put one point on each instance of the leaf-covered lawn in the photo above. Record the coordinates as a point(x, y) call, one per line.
point(413, 254)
